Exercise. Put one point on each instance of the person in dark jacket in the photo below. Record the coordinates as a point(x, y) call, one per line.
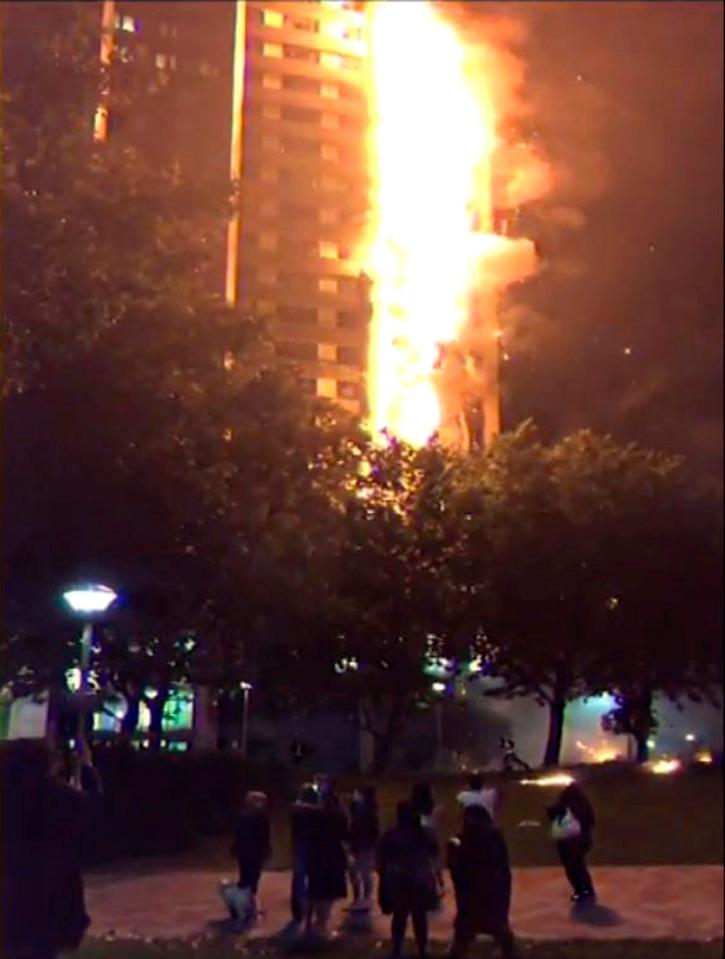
point(301, 828)
point(407, 861)
point(479, 865)
point(45, 826)
point(573, 849)
point(325, 863)
point(364, 835)
point(251, 848)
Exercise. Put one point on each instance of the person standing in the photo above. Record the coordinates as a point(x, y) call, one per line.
point(408, 884)
point(46, 824)
point(251, 848)
point(478, 794)
point(431, 817)
point(301, 828)
point(326, 862)
point(364, 835)
point(573, 821)
point(479, 865)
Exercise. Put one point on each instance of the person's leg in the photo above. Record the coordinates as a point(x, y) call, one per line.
point(368, 867)
point(298, 891)
point(463, 939)
point(420, 928)
point(584, 879)
point(356, 878)
point(397, 931)
point(567, 856)
point(506, 942)
point(323, 911)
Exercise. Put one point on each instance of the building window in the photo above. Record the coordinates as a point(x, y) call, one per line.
point(328, 250)
point(327, 352)
point(330, 121)
point(297, 350)
point(303, 23)
point(267, 240)
point(298, 211)
point(348, 320)
point(326, 388)
point(271, 111)
point(349, 355)
point(272, 18)
point(327, 318)
point(348, 391)
point(164, 62)
point(128, 24)
point(308, 386)
point(272, 50)
point(330, 91)
point(331, 60)
point(301, 54)
point(272, 81)
point(298, 315)
point(327, 284)
point(299, 114)
point(329, 151)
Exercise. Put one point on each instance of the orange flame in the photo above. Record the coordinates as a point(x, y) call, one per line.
point(432, 244)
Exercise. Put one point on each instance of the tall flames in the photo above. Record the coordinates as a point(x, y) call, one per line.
point(441, 174)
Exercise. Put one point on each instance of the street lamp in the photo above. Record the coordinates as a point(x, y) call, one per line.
point(246, 689)
point(87, 601)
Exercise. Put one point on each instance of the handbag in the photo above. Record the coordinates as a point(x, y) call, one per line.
point(566, 827)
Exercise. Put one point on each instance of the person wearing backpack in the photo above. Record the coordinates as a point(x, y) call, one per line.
point(408, 886)
point(572, 828)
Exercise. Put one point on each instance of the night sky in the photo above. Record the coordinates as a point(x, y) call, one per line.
point(622, 330)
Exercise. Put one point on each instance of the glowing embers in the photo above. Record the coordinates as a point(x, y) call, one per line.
point(553, 779)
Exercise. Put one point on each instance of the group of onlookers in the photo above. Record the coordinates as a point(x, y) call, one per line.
point(332, 841)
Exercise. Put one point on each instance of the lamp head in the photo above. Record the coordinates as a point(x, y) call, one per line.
point(89, 599)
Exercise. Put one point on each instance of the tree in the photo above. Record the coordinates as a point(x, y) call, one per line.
point(388, 601)
point(543, 557)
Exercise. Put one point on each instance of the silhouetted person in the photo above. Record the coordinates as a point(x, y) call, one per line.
point(431, 815)
point(326, 860)
point(478, 794)
point(301, 829)
point(573, 822)
point(407, 862)
point(364, 835)
point(45, 825)
point(511, 759)
point(251, 848)
point(479, 864)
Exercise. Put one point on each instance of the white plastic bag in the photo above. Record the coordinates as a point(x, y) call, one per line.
point(566, 827)
point(237, 901)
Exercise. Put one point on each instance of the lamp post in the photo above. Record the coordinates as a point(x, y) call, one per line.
point(246, 689)
point(87, 601)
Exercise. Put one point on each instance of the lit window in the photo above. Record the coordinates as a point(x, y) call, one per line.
point(332, 60)
point(328, 216)
point(128, 24)
point(329, 152)
point(326, 388)
point(327, 352)
point(272, 50)
point(272, 81)
point(328, 251)
point(327, 285)
point(161, 61)
point(272, 18)
point(330, 121)
point(271, 111)
point(267, 241)
point(330, 90)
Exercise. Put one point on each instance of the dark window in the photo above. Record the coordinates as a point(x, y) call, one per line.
point(349, 355)
point(303, 54)
point(309, 386)
point(348, 391)
point(348, 319)
point(301, 84)
point(299, 315)
point(294, 350)
point(300, 115)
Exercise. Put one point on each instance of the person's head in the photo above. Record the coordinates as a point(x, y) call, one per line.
point(309, 794)
point(408, 817)
point(475, 782)
point(256, 801)
point(572, 793)
point(422, 799)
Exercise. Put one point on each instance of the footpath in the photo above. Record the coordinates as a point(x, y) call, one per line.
point(635, 902)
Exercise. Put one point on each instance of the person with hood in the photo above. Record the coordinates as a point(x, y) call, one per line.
point(325, 861)
point(408, 884)
point(46, 824)
point(251, 848)
point(478, 861)
point(364, 835)
point(573, 821)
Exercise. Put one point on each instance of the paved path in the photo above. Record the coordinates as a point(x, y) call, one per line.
point(635, 902)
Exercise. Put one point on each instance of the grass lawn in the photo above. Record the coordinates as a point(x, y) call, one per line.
point(559, 950)
point(643, 819)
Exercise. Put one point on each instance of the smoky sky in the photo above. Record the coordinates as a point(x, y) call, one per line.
point(622, 329)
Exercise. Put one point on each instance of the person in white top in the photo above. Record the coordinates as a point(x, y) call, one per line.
point(479, 795)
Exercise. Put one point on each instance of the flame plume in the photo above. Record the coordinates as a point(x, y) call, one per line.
point(436, 262)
